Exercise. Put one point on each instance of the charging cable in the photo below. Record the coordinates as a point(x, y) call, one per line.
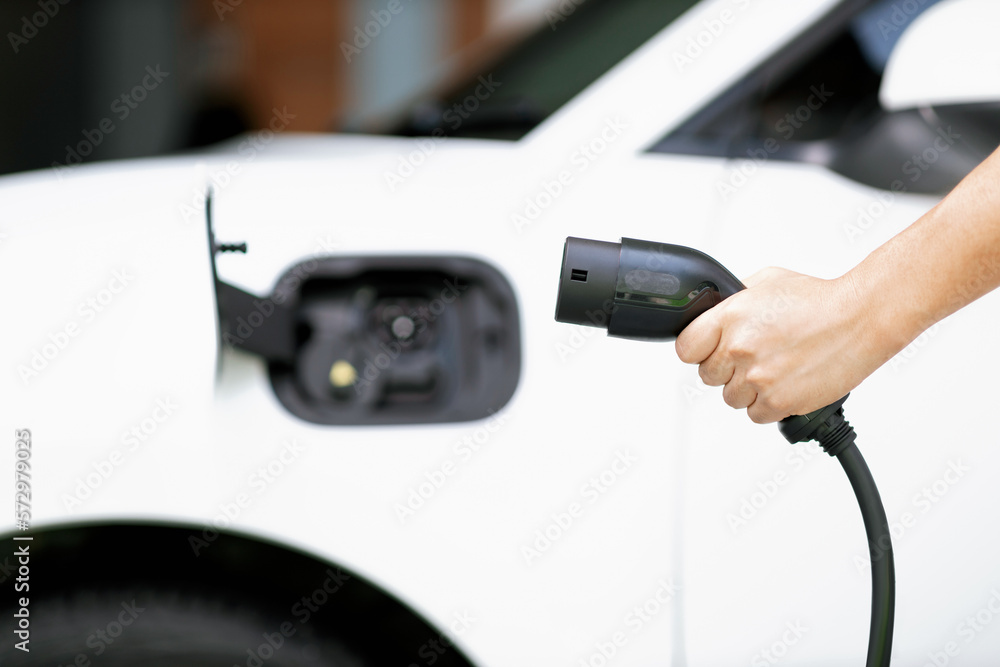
point(644, 290)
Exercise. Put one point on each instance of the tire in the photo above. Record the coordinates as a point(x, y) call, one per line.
point(157, 628)
point(167, 595)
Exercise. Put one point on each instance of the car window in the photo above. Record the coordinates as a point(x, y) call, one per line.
point(816, 101)
point(580, 41)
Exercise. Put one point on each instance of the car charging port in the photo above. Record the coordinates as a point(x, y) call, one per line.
point(383, 340)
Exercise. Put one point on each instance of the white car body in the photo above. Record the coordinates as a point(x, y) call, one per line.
point(786, 581)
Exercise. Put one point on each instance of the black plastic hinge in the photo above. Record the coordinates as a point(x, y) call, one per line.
point(254, 324)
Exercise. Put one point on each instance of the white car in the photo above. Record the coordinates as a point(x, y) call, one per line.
point(366, 440)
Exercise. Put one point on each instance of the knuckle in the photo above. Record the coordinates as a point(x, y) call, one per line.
point(758, 378)
point(778, 404)
point(773, 271)
point(741, 347)
point(762, 275)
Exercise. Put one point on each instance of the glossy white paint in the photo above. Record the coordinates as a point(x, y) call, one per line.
point(584, 401)
point(947, 56)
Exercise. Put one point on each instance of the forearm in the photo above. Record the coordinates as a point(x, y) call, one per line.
point(832, 334)
point(942, 262)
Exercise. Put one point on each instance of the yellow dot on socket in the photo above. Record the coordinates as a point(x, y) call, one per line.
point(342, 374)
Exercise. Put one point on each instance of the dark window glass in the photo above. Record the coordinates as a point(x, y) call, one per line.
point(816, 101)
point(580, 42)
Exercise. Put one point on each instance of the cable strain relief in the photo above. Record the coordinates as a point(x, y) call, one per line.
point(836, 434)
point(803, 428)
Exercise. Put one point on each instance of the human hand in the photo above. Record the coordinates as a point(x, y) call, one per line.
point(787, 345)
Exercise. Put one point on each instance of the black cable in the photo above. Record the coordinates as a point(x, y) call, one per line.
point(591, 271)
point(880, 551)
point(836, 436)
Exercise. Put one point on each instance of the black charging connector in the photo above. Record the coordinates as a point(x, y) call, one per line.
point(639, 289)
point(650, 291)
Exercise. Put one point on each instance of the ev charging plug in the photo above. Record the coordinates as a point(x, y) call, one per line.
point(650, 291)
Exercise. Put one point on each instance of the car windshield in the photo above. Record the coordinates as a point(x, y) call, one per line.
point(579, 41)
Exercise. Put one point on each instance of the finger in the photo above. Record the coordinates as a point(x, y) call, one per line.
point(700, 338)
point(717, 370)
point(760, 413)
point(738, 394)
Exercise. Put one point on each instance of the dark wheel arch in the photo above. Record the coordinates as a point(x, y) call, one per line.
point(130, 593)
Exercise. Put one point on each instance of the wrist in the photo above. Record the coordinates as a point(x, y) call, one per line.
point(887, 317)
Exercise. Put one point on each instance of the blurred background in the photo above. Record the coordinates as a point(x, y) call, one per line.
point(171, 75)
point(113, 79)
